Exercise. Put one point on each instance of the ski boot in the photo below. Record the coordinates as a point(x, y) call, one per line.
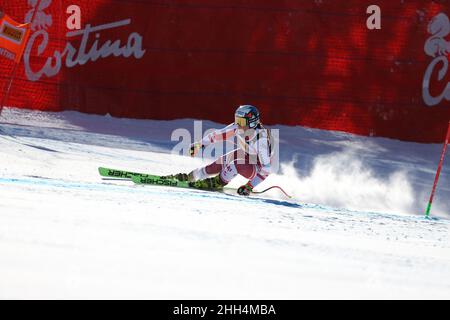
point(211, 184)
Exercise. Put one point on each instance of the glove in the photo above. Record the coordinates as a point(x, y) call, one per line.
point(195, 148)
point(245, 190)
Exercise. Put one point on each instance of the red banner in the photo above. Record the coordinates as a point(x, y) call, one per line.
point(310, 63)
point(13, 37)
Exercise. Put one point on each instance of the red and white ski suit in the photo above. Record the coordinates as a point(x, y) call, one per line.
point(251, 158)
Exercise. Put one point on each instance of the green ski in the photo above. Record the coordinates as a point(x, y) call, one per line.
point(155, 180)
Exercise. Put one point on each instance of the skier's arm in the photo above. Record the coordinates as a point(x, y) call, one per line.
point(215, 136)
point(220, 135)
point(263, 168)
point(261, 175)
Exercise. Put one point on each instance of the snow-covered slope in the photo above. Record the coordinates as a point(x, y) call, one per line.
point(353, 230)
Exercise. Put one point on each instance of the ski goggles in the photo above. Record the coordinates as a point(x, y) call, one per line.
point(241, 122)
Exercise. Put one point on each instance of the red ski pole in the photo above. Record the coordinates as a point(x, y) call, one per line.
point(427, 213)
point(274, 187)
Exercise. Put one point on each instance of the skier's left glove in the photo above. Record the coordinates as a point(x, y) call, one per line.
point(245, 190)
point(195, 148)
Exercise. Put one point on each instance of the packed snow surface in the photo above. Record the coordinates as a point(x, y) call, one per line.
point(353, 229)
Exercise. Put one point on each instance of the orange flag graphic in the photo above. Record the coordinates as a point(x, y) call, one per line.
point(13, 38)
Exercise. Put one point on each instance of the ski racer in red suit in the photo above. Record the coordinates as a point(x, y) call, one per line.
point(251, 159)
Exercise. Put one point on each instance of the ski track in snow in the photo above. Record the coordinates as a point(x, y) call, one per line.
point(66, 233)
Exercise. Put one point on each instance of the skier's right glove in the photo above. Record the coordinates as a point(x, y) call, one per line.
point(245, 190)
point(195, 148)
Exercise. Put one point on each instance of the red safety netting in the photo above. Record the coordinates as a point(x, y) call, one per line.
point(311, 63)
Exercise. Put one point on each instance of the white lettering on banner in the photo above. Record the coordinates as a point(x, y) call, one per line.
point(374, 21)
point(6, 54)
point(74, 20)
point(437, 47)
point(82, 54)
point(41, 19)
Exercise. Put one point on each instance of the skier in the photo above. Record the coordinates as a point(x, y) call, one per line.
point(251, 159)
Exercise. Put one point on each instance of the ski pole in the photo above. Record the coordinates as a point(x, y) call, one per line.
point(273, 187)
point(260, 192)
